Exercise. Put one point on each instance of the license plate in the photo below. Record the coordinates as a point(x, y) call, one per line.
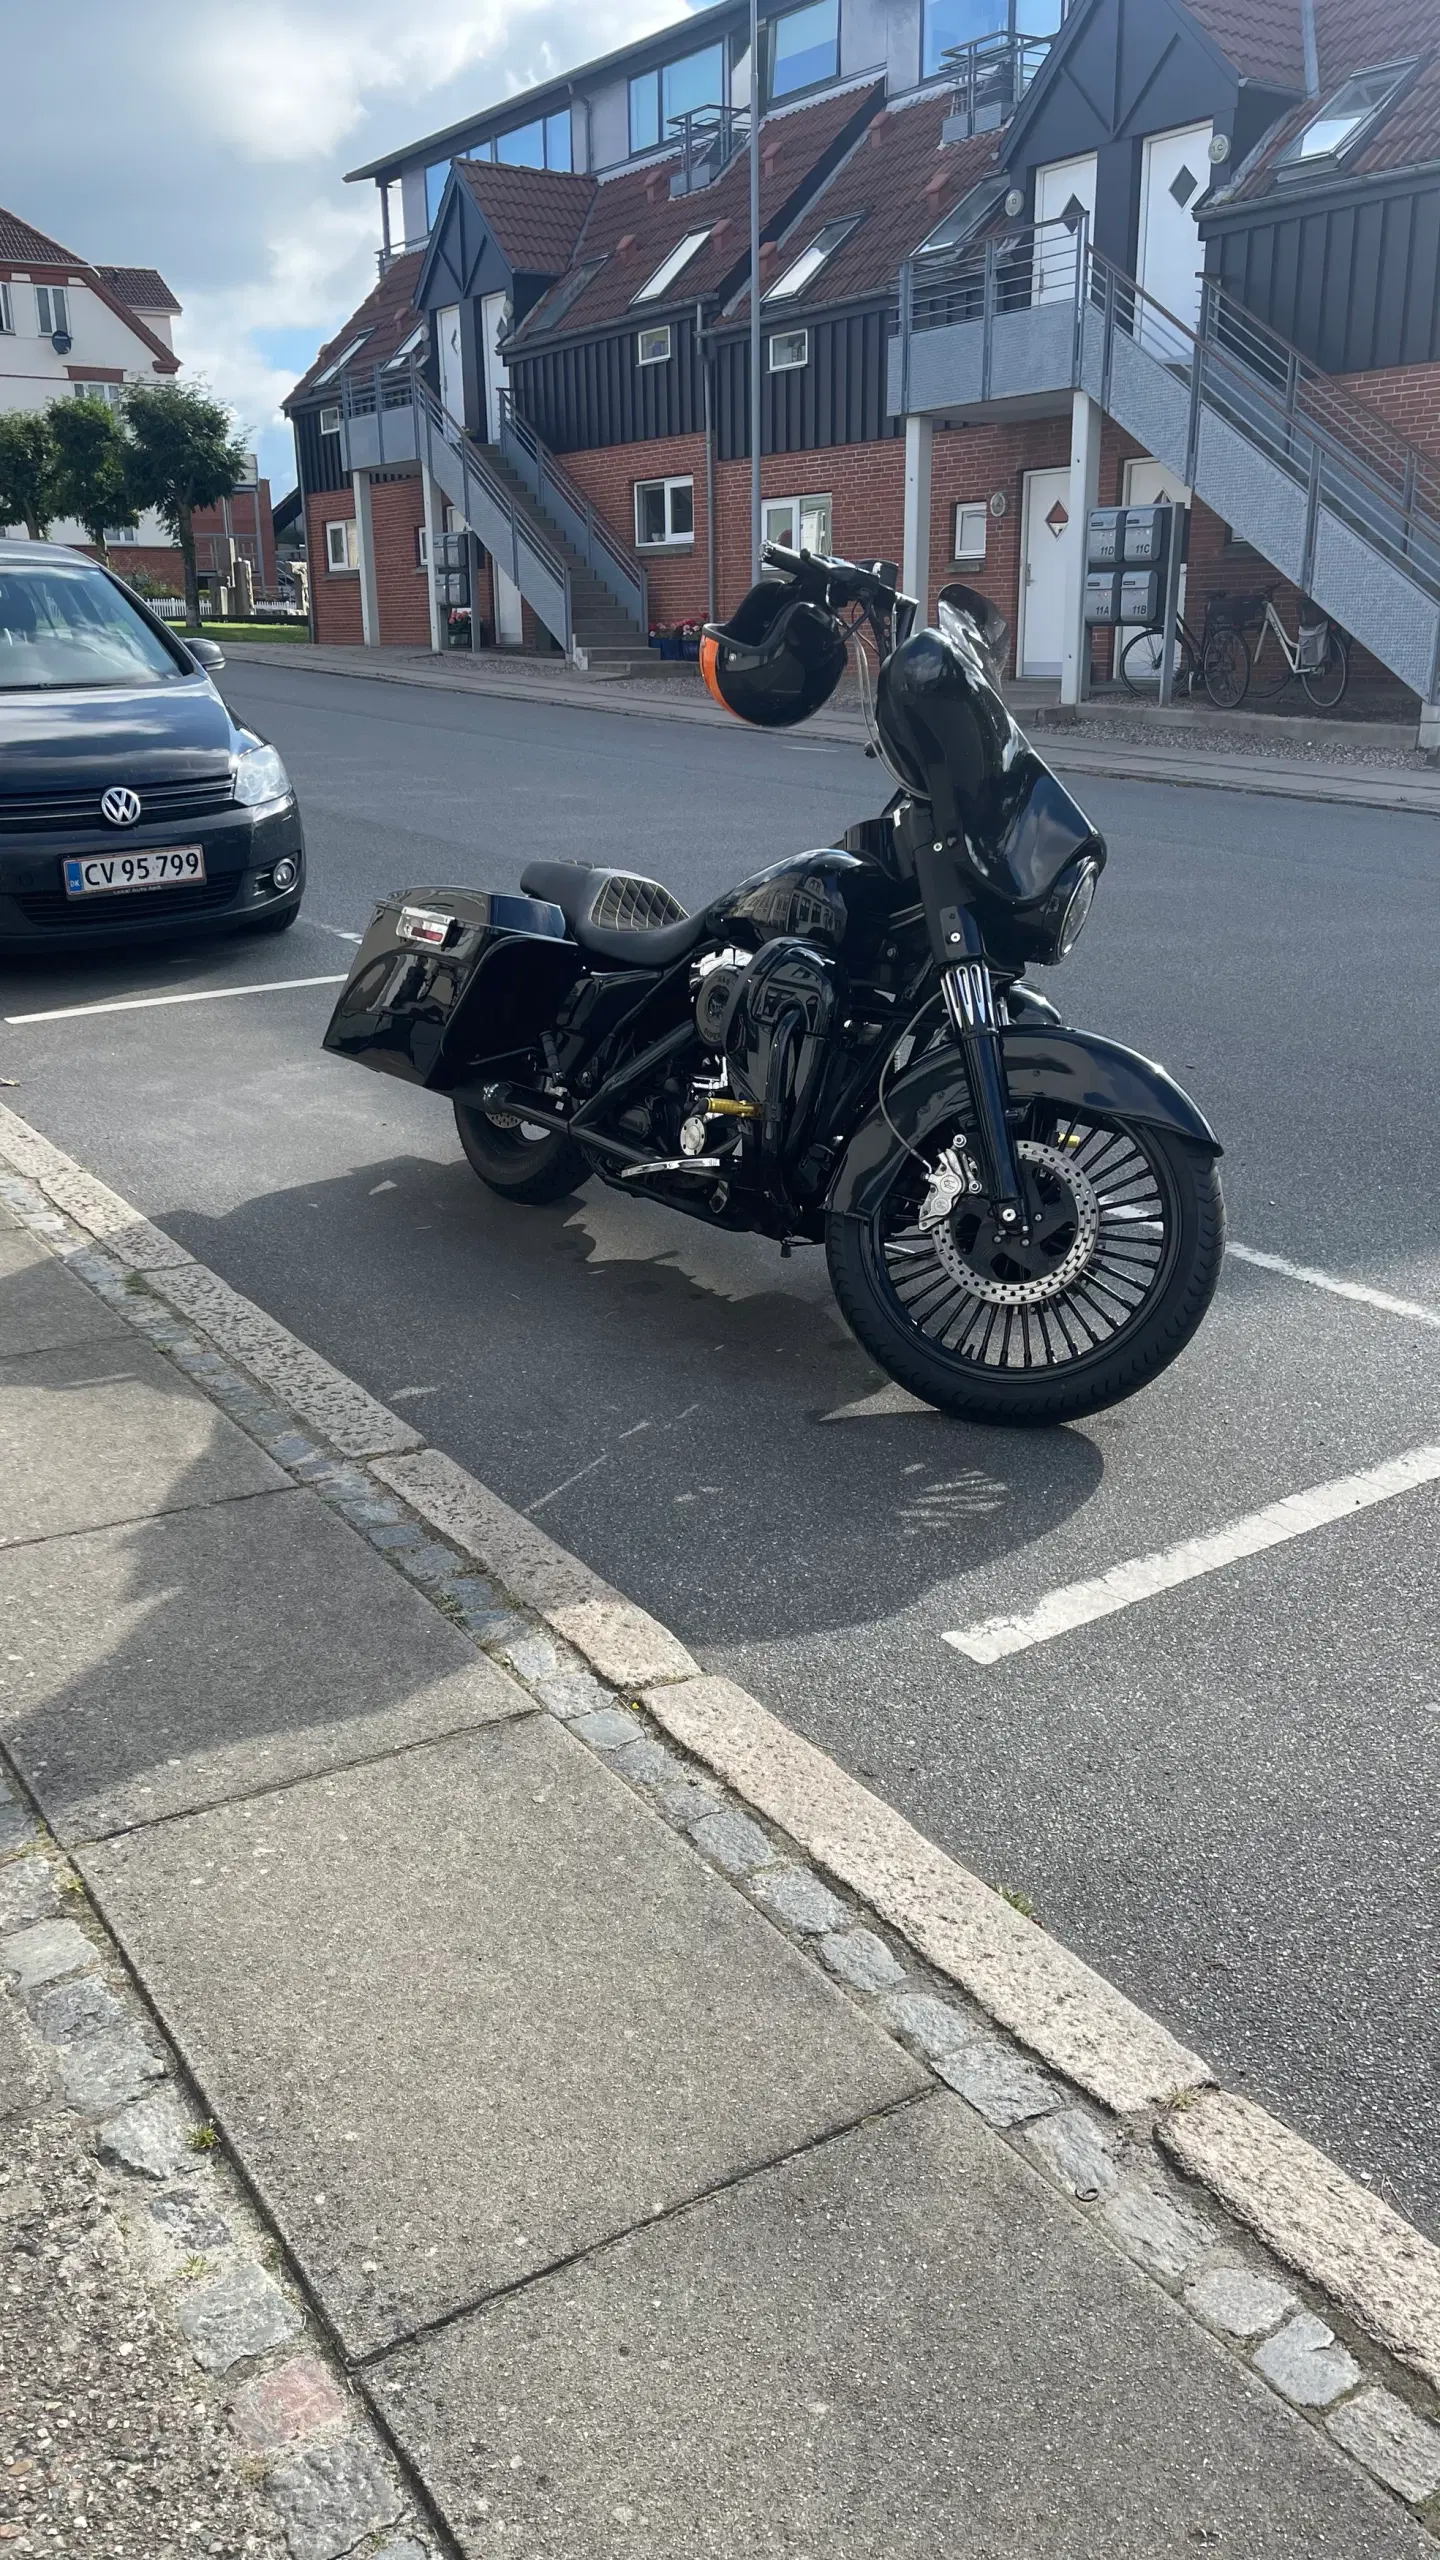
point(95, 875)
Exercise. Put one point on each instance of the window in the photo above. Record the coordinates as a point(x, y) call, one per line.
point(435, 177)
point(695, 81)
point(7, 313)
point(664, 512)
point(1345, 116)
point(653, 346)
point(409, 347)
point(810, 261)
point(669, 268)
point(422, 546)
point(645, 111)
point(954, 22)
point(970, 528)
point(798, 524)
point(338, 362)
point(804, 48)
point(523, 147)
point(330, 421)
point(122, 533)
point(52, 304)
point(789, 350)
point(66, 627)
point(112, 393)
point(342, 543)
point(557, 140)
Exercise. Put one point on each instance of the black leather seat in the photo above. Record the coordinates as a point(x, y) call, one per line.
point(614, 915)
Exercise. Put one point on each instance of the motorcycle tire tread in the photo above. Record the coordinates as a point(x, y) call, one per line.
point(542, 1170)
point(1023, 1399)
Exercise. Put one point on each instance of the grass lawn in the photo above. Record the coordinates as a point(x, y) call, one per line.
point(251, 630)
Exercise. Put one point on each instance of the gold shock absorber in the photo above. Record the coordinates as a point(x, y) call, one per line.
point(721, 1107)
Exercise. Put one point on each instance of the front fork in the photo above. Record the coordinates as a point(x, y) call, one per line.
point(969, 995)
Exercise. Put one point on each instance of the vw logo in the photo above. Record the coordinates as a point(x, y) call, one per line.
point(120, 805)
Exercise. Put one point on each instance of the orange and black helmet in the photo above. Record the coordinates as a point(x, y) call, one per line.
point(776, 660)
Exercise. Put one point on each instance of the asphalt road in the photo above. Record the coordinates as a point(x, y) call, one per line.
point(1223, 1796)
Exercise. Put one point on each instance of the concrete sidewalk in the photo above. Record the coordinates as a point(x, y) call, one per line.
point(1119, 741)
point(590, 2174)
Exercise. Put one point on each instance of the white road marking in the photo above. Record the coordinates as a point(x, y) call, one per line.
point(1380, 1298)
point(556, 1490)
point(1077, 1604)
point(337, 929)
point(202, 995)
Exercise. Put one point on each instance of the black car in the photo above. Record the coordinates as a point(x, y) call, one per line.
point(130, 801)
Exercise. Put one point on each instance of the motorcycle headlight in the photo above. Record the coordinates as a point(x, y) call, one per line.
point(1075, 896)
point(259, 776)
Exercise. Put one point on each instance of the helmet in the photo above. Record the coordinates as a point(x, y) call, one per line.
point(776, 660)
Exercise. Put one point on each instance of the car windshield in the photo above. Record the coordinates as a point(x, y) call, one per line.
point(63, 626)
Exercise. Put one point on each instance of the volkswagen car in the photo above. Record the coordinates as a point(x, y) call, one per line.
point(130, 801)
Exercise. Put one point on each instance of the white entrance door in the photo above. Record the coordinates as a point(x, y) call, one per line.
point(1149, 484)
point(509, 628)
point(1175, 175)
point(452, 378)
point(1060, 186)
point(1048, 537)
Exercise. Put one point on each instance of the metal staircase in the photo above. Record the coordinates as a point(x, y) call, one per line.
point(536, 525)
point(1298, 467)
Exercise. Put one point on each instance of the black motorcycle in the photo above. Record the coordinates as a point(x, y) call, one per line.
point(1022, 1222)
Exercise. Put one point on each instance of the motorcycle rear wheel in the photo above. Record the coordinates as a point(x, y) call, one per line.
point(519, 1159)
point(1063, 1330)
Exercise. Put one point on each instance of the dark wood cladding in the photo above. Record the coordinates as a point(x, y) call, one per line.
point(595, 393)
point(1353, 283)
point(317, 458)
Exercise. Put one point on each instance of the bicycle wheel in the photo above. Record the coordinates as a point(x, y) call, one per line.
point(1326, 685)
point(1226, 668)
point(1276, 671)
point(1140, 661)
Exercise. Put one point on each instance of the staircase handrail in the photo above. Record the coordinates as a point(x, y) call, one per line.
point(1329, 441)
point(593, 539)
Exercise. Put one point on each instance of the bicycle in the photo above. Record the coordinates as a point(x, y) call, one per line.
point(1220, 660)
point(1317, 655)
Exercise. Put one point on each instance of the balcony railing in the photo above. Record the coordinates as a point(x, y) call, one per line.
point(991, 74)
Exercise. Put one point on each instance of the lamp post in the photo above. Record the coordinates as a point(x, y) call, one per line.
point(755, 93)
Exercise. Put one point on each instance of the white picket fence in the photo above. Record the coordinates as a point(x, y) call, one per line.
point(172, 609)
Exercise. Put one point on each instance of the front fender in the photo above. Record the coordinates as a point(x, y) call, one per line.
point(1078, 1070)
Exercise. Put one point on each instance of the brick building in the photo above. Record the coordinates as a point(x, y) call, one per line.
point(1012, 265)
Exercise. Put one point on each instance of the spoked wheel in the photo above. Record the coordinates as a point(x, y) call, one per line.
point(517, 1157)
point(1326, 683)
point(1124, 1250)
point(1226, 670)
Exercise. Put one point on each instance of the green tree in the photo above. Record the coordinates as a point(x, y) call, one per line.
point(92, 478)
point(184, 454)
point(27, 471)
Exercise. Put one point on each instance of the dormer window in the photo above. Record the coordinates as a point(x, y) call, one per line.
point(669, 268)
point(803, 269)
point(1357, 104)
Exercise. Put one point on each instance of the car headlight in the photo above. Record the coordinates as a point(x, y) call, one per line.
point(260, 775)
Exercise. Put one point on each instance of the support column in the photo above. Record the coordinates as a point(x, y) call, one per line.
point(365, 543)
point(915, 567)
point(1428, 741)
point(1085, 416)
point(434, 502)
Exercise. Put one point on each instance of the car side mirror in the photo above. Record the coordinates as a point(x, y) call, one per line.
point(208, 655)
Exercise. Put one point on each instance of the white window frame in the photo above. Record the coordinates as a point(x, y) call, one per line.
point(53, 299)
point(669, 539)
point(422, 546)
point(330, 419)
point(967, 510)
point(672, 265)
point(349, 532)
point(337, 364)
point(409, 347)
point(1295, 158)
point(795, 539)
point(779, 363)
point(122, 533)
point(112, 393)
point(7, 313)
point(652, 346)
point(816, 254)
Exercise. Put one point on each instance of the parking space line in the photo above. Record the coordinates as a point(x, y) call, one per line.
point(1313, 1279)
point(1077, 1604)
point(201, 995)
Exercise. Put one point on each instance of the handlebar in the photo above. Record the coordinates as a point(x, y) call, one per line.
point(835, 582)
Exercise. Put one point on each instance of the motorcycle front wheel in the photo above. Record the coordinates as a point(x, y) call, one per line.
point(1127, 1234)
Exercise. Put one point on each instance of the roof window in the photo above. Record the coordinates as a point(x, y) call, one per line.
point(669, 268)
point(810, 261)
point(411, 347)
point(338, 363)
point(1354, 107)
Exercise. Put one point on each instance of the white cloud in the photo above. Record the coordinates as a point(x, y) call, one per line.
point(215, 149)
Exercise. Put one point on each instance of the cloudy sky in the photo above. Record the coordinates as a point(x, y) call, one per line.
point(210, 141)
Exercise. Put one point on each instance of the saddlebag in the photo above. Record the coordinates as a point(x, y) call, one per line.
point(447, 980)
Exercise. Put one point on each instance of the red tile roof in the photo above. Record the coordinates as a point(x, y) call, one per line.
point(535, 214)
point(21, 242)
point(143, 288)
point(635, 222)
point(387, 315)
point(1262, 38)
point(1363, 35)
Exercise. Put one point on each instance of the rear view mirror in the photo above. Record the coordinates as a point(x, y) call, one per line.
point(208, 655)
